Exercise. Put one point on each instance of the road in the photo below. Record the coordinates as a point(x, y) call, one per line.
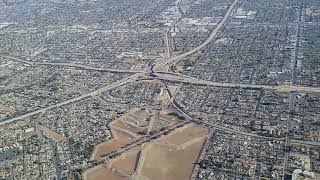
point(212, 125)
point(166, 77)
point(305, 143)
point(168, 43)
point(178, 78)
point(175, 22)
point(168, 62)
point(203, 152)
point(121, 82)
point(292, 94)
point(136, 144)
point(172, 25)
point(219, 127)
point(54, 149)
point(31, 63)
point(86, 95)
point(175, 77)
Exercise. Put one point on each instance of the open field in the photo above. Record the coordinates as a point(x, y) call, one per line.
point(4, 109)
point(158, 160)
point(161, 119)
point(118, 169)
point(131, 126)
point(52, 134)
point(119, 140)
point(162, 159)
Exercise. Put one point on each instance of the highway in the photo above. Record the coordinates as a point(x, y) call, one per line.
point(168, 44)
point(172, 25)
point(216, 126)
point(178, 5)
point(167, 76)
point(191, 80)
point(31, 63)
point(86, 95)
point(125, 80)
point(178, 78)
point(202, 155)
point(54, 149)
point(171, 77)
point(141, 141)
point(305, 143)
point(168, 62)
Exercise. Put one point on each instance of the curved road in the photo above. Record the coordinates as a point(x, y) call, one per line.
point(173, 60)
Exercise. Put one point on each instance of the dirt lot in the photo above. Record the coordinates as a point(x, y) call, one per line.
point(131, 126)
point(118, 169)
point(52, 134)
point(162, 159)
point(184, 135)
point(116, 143)
point(123, 130)
point(159, 160)
point(4, 109)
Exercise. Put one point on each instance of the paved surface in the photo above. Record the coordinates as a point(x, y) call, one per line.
point(70, 65)
point(93, 93)
point(168, 62)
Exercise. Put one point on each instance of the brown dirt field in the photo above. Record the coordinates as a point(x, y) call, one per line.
point(313, 133)
point(120, 138)
point(163, 120)
point(159, 160)
point(173, 88)
point(137, 118)
point(139, 115)
point(163, 97)
point(128, 127)
point(126, 162)
point(118, 169)
point(117, 142)
point(167, 117)
point(184, 134)
point(102, 173)
point(180, 68)
point(162, 161)
point(52, 134)
point(4, 108)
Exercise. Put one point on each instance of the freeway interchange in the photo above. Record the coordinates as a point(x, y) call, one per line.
point(161, 71)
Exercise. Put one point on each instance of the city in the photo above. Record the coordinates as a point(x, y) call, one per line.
point(159, 89)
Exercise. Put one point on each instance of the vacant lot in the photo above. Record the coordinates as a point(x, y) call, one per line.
point(4, 109)
point(163, 158)
point(131, 126)
point(159, 159)
point(118, 169)
point(119, 139)
point(52, 134)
